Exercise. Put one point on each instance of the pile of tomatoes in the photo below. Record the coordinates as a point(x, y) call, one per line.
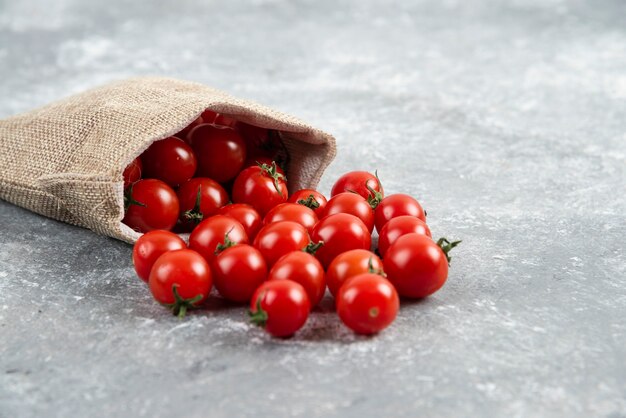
point(274, 251)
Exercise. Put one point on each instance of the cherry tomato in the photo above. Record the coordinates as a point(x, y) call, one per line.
point(170, 160)
point(150, 204)
point(416, 265)
point(279, 238)
point(151, 246)
point(360, 182)
point(340, 232)
point(220, 151)
point(245, 215)
point(183, 134)
point(199, 198)
point(218, 119)
point(132, 172)
point(303, 268)
point(181, 280)
point(294, 213)
point(349, 264)
point(352, 204)
point(397, 205)
point(280, 306)
point(261, 187)
point(311, 199)
point(210, 233)
point(367, 303)
point(396, 227)
point(238, 271)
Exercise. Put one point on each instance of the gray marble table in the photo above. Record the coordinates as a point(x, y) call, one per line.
point(507, 120)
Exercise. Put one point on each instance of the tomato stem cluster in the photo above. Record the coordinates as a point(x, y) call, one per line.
point(128, 199)
point(226, 244)
point(272, 171)
point(447, 245)
point(181, 305)
point(195, 215)
point(258, 317)
point(309, 202)
point(312, 247)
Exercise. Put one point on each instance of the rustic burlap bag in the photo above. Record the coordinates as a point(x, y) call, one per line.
point(65, 160)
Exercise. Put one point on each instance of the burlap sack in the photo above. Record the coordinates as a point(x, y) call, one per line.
point(65, 160)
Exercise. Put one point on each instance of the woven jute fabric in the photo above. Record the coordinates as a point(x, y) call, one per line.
point(66, 160)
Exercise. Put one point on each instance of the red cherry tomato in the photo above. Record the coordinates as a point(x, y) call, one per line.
point(396, 227)
point(150, 204)
point(132, 172)
point(349, 264)
point(245, 215)
point(280, 306)
point(340, 232)
point(183, 134)
point(199, 199)
point(211, 232)
point(397, 205)
point(181, 280)
point(303, 268)
point(279, 238)
point(352, 204)
point(311, 199)
point(151, 246)
point(294, 213)
point(261, 187)
point(416, 265)
point(220, 151)
point(238, 271)
point(170, 160)
point(360, 182)
point(367, 303)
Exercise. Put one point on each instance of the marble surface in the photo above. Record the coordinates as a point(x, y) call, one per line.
point(506, 119)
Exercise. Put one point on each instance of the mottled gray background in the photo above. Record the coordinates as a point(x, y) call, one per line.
point(508, 121)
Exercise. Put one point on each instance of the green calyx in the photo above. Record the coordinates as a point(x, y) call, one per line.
point(375, 197)
point(194, 215)
point(272, 171)
point(446, 246)
point(258, 317)
point(226, 244)
point(182, 305)
point(371, 269)
point(312, 247)
point(309, 202)
point(128, 199)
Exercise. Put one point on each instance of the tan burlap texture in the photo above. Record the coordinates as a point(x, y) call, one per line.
point(65, 160)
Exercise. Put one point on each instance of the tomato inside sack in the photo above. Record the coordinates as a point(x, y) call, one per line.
point(199, 198)
point(303, 268)
point(220, 151)
point(281, 307)
point(132, 172)
point(150, 246)
point(184, 132)
point(150, 204)
point(367, 303)
point(238, 271)
point(351, 263)
point(170, 160)
point(211, 232)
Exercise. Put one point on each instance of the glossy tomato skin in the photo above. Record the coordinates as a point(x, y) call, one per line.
point(416, 266)
point(367, 303)
point(352, 204)
point(279, 238)
point(170, 160)
point(280, 306)
point(397, 205)
point(153, 205)
point(340, 232)
point(349, 264)
point(212, 198)
point(238, 271)
point(294, 213)
point(310, 198)
point(303, 268)
point(255, 186)
point(212, 231)
point(183, 133)
point(396, 227)
point(185, 270)
point(132, 172)
point(246, 215)
point(220, 151)
point(151, 246)
point(210, 116)
point(358, 182)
